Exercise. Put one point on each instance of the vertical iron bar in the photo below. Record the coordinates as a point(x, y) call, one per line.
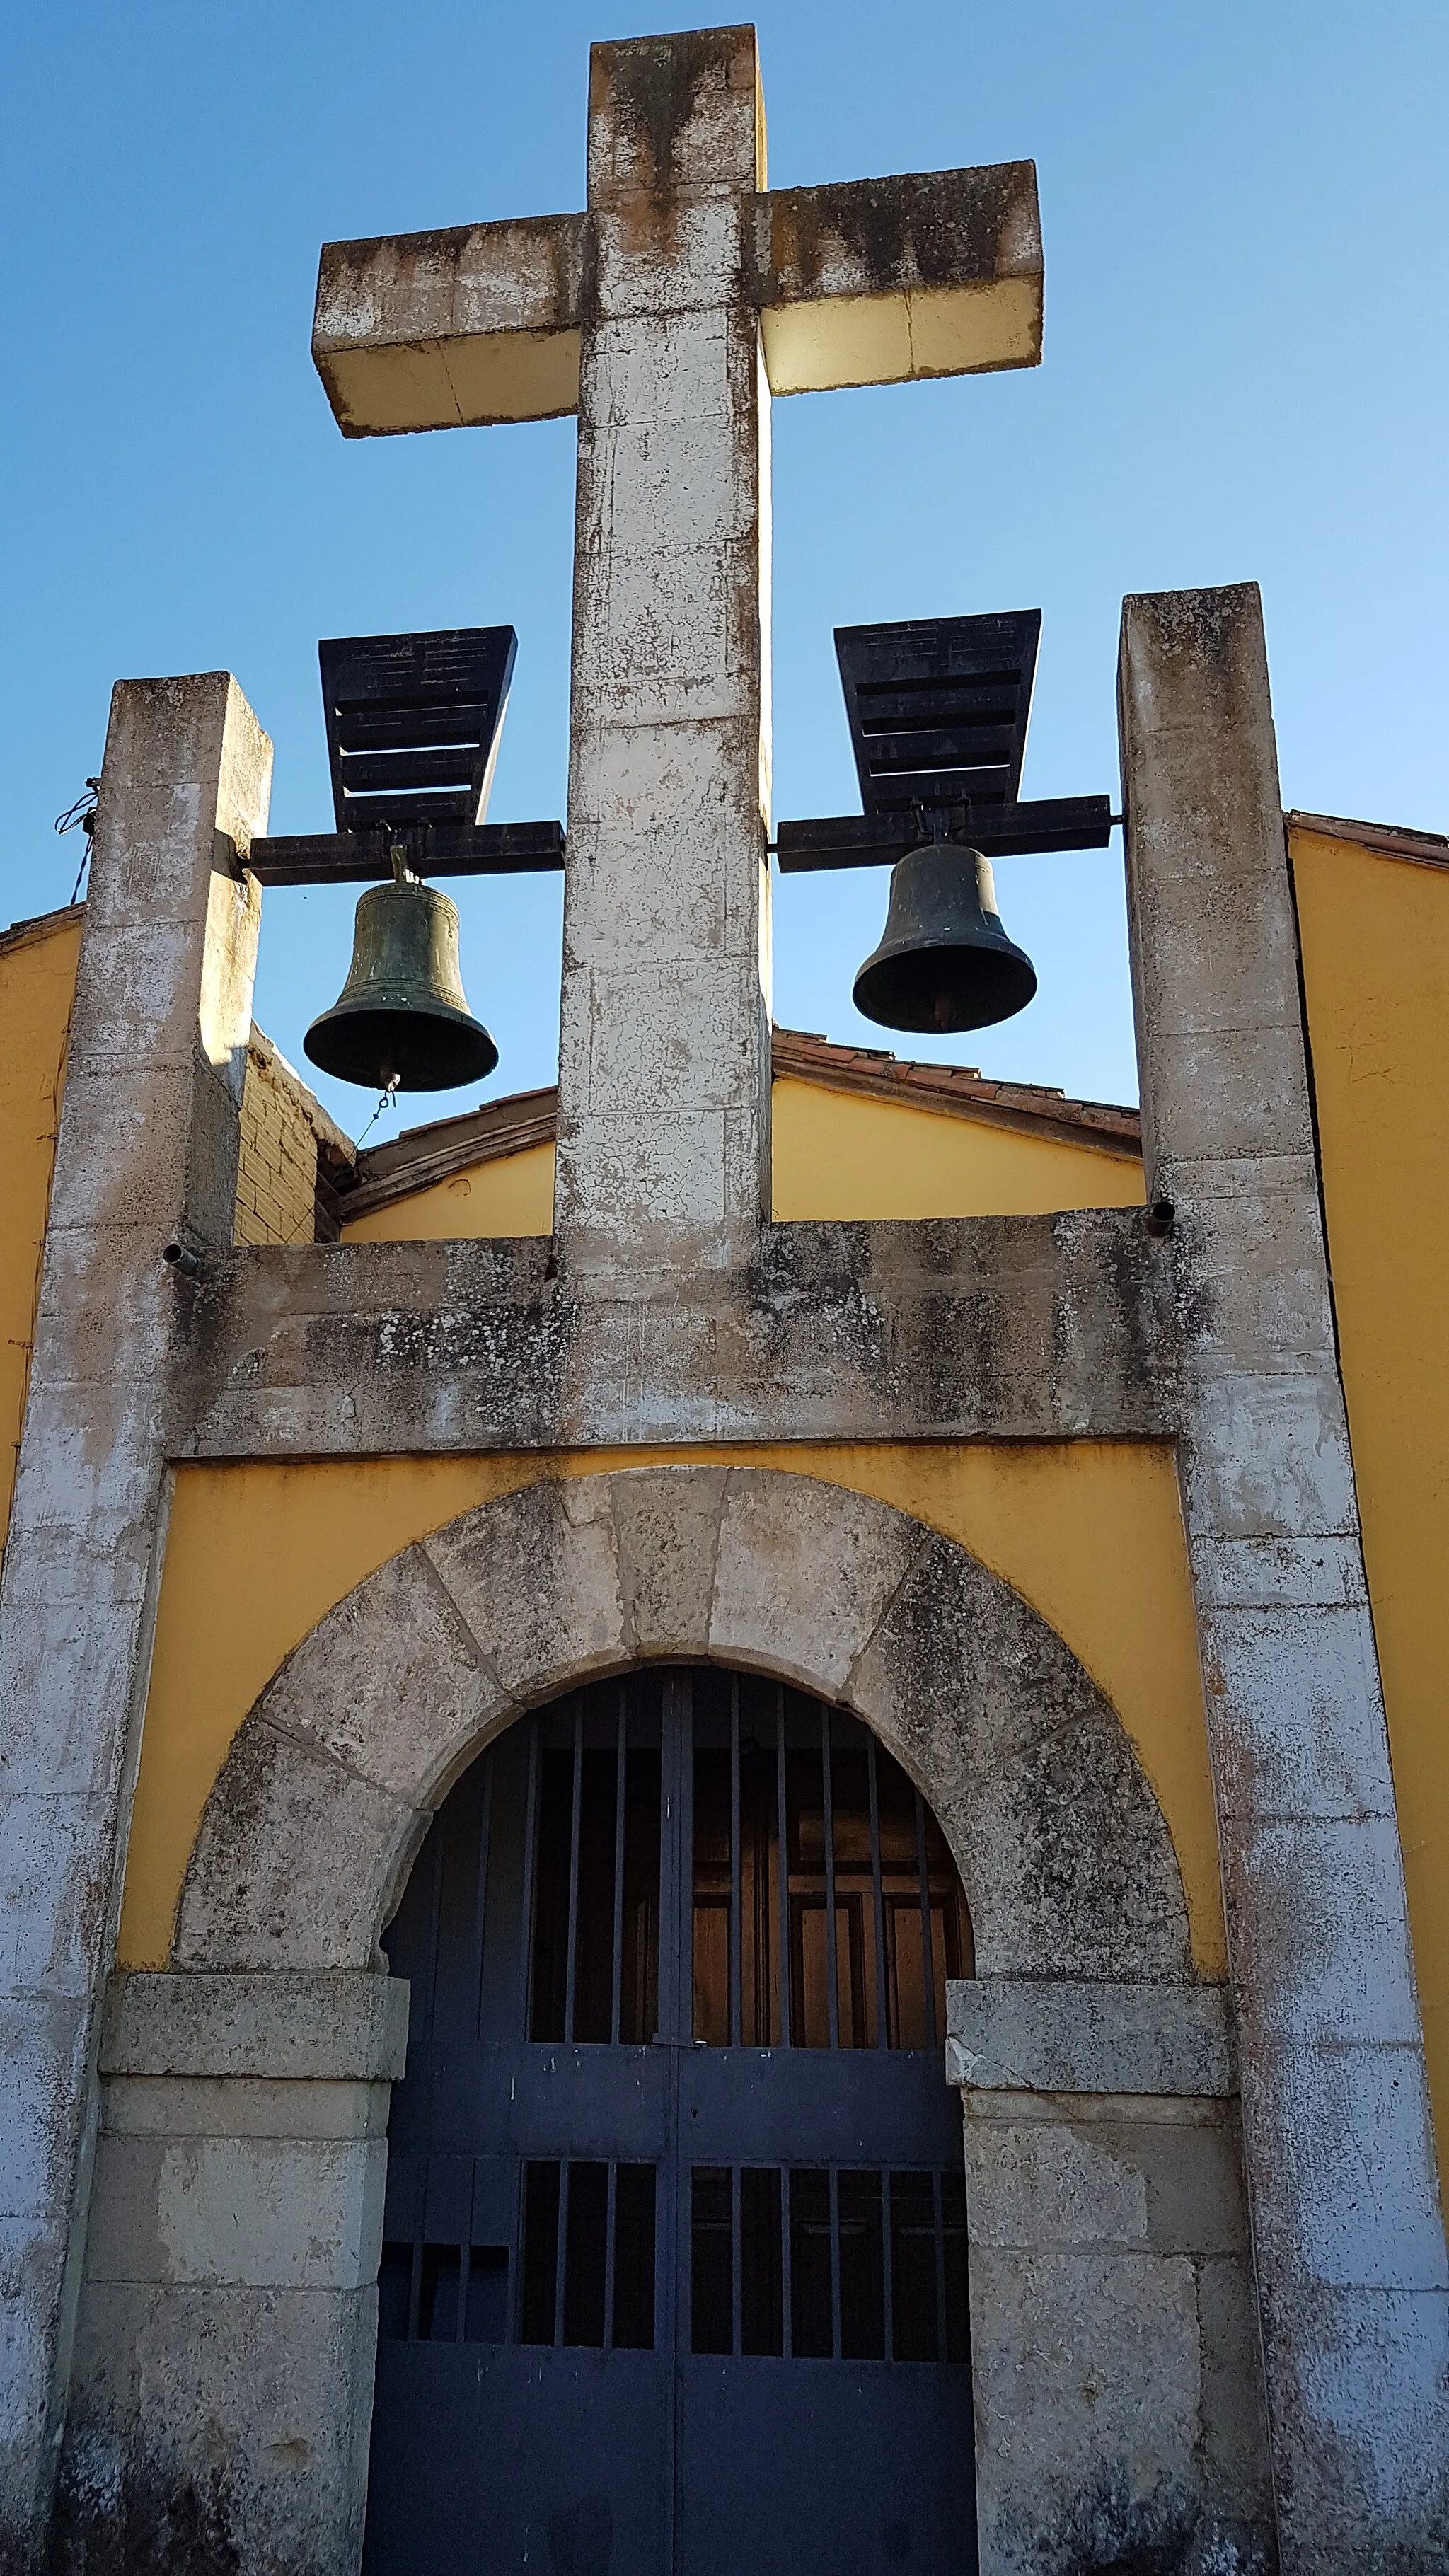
point(928, 1961)
point(888, 2265)
point(621, 1782)
point(670, 1803)
point(736, 1968)
point(561, 2254)
point(517, 2251)
point(415, 2285)
point(737, 2264)
point(686, 1855)
point(675, 1893)
point(571, 1970)
point(787, 2330)
point(834, 2264)
point(832, 1963)
point(525, 1911)
point(940, 2267)
point(782, 1831)
point(877, 1893)
point(611, 2222)
point(480, 1898)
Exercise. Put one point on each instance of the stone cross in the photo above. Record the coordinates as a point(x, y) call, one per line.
point(665, 317)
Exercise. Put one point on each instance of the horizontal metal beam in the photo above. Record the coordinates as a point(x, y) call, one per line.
point(1002, 831)
point(448, 850)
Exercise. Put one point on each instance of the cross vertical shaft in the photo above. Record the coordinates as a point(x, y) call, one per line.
point(663, 1151)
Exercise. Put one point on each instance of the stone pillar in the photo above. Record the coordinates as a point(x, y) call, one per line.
point(664, 1071)
point(1117, 2386)
point(146, 1154)
point(1343, 2195)
point(221, 2396)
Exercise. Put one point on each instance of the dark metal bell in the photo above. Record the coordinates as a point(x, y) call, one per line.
point(402, 1020)
point(944, 961)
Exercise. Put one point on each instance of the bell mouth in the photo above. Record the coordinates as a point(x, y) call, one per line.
point(938, 991)
point(377, 1047)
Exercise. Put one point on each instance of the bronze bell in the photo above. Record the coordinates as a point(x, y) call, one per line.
point(944, 961)
point(402, 1022)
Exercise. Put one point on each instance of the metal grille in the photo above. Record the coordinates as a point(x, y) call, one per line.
point(833, 2264)
point(674, 2176)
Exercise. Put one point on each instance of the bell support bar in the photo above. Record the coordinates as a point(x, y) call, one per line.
point(998, 831)
point(434, 850)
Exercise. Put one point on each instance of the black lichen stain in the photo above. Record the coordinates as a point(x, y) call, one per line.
point(1110, 2532)
point(935, 229)
point(654, 84)
point(152, 2525)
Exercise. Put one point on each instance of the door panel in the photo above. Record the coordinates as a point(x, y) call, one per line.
point(519, 2458)
point(824, 2470)
point(673, 2281)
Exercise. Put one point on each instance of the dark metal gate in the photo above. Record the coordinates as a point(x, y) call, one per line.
point(674, 2272)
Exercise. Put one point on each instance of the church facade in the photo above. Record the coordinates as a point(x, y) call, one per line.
point(724, 1794)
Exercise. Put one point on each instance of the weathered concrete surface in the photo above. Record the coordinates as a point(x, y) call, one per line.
point(146, 1152)
point(1066, 1860)
point(222, 2391)
point(1020, 2035)
point(880, 280)
point(1343, 2191)
point(442, 330)
point(664, 1061)
point(995, 1328)
point(869, 282)
point(284, 2029)
point(1115, 2371)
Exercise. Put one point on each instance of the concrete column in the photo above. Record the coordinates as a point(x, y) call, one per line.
point(663, 1128)
point(146, 1153)
point(1348, 2242)
point(1116, 2381)
point(221, 2395)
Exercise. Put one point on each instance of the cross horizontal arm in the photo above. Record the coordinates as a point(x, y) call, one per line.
point(879, 280)
point(450, 330)
point(869, 283)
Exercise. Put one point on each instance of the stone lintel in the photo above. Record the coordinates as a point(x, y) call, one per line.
point(988, 1328)
point(1023, 2035)
point(875, 281)
point(319, 2027)
point(455, 329)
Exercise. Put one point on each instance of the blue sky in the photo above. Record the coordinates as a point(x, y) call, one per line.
point(1244, 210)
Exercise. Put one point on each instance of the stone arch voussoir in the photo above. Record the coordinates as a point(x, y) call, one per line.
point(335, 1774)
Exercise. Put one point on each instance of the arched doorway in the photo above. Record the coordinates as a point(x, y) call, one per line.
point(674, 2273)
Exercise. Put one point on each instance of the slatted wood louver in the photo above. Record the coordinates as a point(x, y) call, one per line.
point(413, 724)
point(938, 709)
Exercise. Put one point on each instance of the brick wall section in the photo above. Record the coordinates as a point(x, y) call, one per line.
point(293, 1159)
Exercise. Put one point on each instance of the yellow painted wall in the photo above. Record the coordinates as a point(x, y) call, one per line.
point(845, 1154)
point(37, 988)
point(836, 1154)
point(1375, 938)
point(513, 1195)
point(1088, 1532)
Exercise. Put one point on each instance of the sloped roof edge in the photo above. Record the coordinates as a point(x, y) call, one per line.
point(1425, 849)
point(423, 1156)
point(41, 925)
